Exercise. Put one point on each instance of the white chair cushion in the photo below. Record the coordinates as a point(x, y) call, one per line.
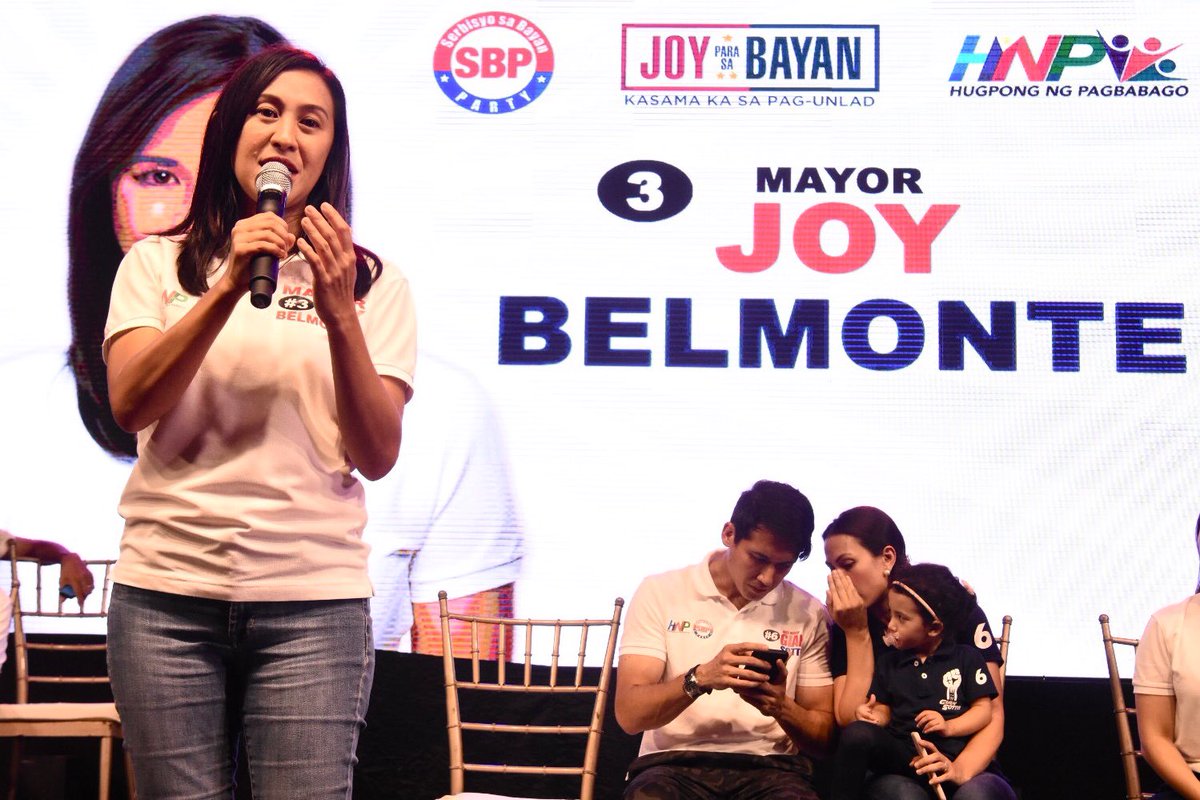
point(59, 712)
point(481, 796)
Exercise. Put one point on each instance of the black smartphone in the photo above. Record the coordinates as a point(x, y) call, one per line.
point(770, 656)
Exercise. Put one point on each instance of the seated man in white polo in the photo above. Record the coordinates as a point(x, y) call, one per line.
point(695, 669)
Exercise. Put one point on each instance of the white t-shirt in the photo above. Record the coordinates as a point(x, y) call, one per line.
point(243, 490)
point(1168, 663)
point(445, 517)
point(680, 618)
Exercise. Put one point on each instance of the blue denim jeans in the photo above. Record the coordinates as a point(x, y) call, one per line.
point(984, 786)
point(190, 675)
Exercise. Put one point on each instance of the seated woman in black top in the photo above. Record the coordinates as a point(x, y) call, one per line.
point(862, 547)
point(927, 684)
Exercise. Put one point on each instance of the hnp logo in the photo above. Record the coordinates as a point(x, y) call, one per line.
point(493, 63)
point(1059, 53)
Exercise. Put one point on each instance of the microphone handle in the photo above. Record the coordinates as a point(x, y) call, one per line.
point(264, 268)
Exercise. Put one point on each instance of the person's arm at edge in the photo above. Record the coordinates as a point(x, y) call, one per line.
point(427, 623)
point(1156, 729)
point(73, 572)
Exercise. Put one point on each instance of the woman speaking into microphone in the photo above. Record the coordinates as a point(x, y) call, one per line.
point(241, 604)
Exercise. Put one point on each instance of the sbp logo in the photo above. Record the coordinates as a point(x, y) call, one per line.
point(493, 63)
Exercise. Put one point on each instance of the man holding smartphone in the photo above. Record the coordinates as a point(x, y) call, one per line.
point(724, 664)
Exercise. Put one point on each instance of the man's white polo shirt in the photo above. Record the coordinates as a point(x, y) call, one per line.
point(680, 618)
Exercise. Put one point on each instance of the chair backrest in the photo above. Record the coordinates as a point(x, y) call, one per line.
point(568, 677)
point(35, 594)
point(1005, 638)
point(1123, 713)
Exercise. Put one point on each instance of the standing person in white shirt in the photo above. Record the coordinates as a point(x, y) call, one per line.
point(1166, 685)
point(241, 604)
point(715, 724)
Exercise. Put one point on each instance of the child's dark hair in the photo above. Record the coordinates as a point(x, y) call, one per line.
point(944, 593)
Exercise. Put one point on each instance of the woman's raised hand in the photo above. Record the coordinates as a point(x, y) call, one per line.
point(330, 251)
point(845, 604)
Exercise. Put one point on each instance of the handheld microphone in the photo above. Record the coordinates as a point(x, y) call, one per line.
point(273, 184)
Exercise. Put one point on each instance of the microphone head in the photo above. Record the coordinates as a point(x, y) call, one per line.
point(273, 177)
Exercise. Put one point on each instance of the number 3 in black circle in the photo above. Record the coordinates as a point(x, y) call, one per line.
point(645, 191)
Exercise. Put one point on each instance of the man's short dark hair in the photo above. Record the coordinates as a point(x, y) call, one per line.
point(780, 509)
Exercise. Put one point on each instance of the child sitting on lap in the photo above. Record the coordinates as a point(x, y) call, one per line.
point(929, 684)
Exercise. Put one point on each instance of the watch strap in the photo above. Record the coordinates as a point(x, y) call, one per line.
point(691, 686)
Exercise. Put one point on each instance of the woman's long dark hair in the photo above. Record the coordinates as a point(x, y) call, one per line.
point(173, 66)
point(219, 202)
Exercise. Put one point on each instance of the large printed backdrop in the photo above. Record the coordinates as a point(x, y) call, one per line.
point(935, 257)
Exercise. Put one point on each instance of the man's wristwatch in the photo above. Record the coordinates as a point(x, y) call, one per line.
point(692, 687)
